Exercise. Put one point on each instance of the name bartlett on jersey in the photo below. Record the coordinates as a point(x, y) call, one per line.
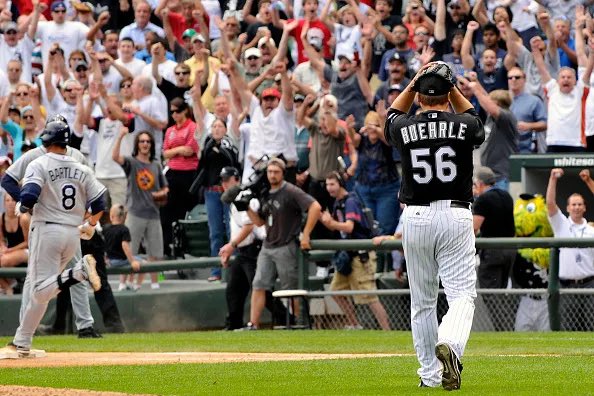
point(66, 172)
point(432, 130)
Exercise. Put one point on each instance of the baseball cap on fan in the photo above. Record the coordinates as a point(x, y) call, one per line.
point(58, 4)
point(188, 33)
point(271, 93)
point(9, 26)
point(395, 87)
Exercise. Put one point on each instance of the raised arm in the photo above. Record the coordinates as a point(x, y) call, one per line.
point(483, 97)
point(440, 32)
point(284, 42)
point(545, 76)
point(324, 16)
point(513, 47)
point(229, 55)
point(479, 12)
point(115, 152)
point(589, 65)
point(466, 50)
point(580, 42)
point(38, 8)
point(97, 26)
point(551, 197)
point(246, 11)
point(169, 35)
point(301, 116)
point(544, 19)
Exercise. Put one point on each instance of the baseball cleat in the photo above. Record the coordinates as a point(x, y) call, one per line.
point(12, 351)
point(450, 377)
point(88, 265)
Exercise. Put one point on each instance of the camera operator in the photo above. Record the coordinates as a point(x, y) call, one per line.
point(281, 211)
point(246, 241)
point(354, 270)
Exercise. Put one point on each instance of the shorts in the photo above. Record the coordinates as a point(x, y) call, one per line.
point(362, 278)
point(147, 231)
point(117, 263)
point(281, 261)
point(117, 189)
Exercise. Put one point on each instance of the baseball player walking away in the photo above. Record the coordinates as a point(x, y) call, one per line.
point(61, 189)
point(438, 237)
point(79, 294)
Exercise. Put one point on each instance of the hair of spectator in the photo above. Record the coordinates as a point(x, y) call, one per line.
point(121, 211)
point(491, 27)
point(576, 195)
point(125, 80)
point(183, 67)
point(568, 69)
point(181, 105)
point(519, 69)
point(137, 3)
point(373, 116)
point(111, 31)
point(458, 32)
point(433, 100)
point(402, 26)
point(221, 120)
point(508, 10)
point(161, 40)
point(146, 83)
point(75, 53)
point(136, 143)
point(127, 39)
point(334, 175)
point(502, 97)
point(305, 1)
point(388, 2)
point(260, 2)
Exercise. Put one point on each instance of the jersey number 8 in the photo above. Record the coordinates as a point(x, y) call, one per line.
point(445, 170)
point(68, 196)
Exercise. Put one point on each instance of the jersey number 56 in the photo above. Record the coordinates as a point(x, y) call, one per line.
point(445, 170)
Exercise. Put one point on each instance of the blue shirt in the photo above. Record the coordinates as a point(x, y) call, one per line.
point(147, 58)
point(563, 58)
point(137, 34)
point(17, 134)
point(528, 108)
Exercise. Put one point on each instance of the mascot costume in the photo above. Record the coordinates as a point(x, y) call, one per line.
point(530, 271)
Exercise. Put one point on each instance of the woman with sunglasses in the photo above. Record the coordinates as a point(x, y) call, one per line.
point(24, 95)
point(180, 149)
point(414, 17)
point(147, 190)
point(218, 152)
point(31, 125)
point(126, 95)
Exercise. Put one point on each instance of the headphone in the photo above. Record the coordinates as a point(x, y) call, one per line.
point(341, 181)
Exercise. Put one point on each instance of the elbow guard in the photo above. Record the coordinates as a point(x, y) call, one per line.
point(29, 195)
point(98, 205)
point(11, 186)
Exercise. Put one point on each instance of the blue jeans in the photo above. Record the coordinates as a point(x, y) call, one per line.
point(382, 199)
point(218, 224)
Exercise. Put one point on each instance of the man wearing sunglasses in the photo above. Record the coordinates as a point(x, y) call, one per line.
point(112, 73)
point(11, 47)
point(70, 35)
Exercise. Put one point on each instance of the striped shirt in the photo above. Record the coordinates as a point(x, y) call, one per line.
point(177, 136)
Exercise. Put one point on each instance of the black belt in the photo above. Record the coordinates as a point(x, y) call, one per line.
point(535, 297)
point(453, 204)
point(567, 282)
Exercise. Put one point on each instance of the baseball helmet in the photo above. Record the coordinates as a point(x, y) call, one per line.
point(55, 132)
point(228, 172)
point(436, 80)
point(56, 117)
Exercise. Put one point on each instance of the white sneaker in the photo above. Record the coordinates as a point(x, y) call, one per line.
point(88, 266)
point(122, 287)
point(322, 272)
point(353, 327)
point(155, 286)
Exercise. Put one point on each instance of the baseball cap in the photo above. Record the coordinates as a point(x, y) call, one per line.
point(298, 98)
point(252, 52)
point(81, 63)
point(10, 25)
point(26, 109)
point(189, 33)
point(83, 7)
point(485, 175)
point(198, 37)
point(271, 92)
point(349, 57)
point(395, 87)
point(58, 4)
point(397, 57)
point(14, 109)
point(228, 172)
point(263, 41)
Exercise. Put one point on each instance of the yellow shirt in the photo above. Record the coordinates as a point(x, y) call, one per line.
point(213, 67)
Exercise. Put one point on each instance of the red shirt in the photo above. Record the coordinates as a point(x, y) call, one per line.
point(316, 24)
point(179, 25)
point(182, 136)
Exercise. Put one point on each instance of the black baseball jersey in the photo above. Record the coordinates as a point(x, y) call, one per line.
point(436, 150)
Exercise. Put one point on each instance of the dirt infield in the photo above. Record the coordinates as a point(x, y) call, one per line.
point(62, 359)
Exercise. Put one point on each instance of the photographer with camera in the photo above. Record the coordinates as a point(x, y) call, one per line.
point(354, 270)
point(281, 210)
point(245, 241)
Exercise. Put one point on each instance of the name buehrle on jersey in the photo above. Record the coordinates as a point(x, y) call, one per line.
point(433, 130)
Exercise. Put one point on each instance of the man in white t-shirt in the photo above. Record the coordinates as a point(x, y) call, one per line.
point(166, 66)
point(566, 104)
point(273, 124)
point(69, 35)
point(112, 73)
point(11, 48)
point(149, 112)
point(127, 59)
point(576, 265)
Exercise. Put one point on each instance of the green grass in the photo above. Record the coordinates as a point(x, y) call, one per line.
point(556, 363)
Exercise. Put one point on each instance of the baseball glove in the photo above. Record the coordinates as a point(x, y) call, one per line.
point(440, 69)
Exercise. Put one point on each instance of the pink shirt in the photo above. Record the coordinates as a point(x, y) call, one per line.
point(182, 136)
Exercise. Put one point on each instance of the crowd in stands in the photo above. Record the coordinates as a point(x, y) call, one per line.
point(184, 88)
